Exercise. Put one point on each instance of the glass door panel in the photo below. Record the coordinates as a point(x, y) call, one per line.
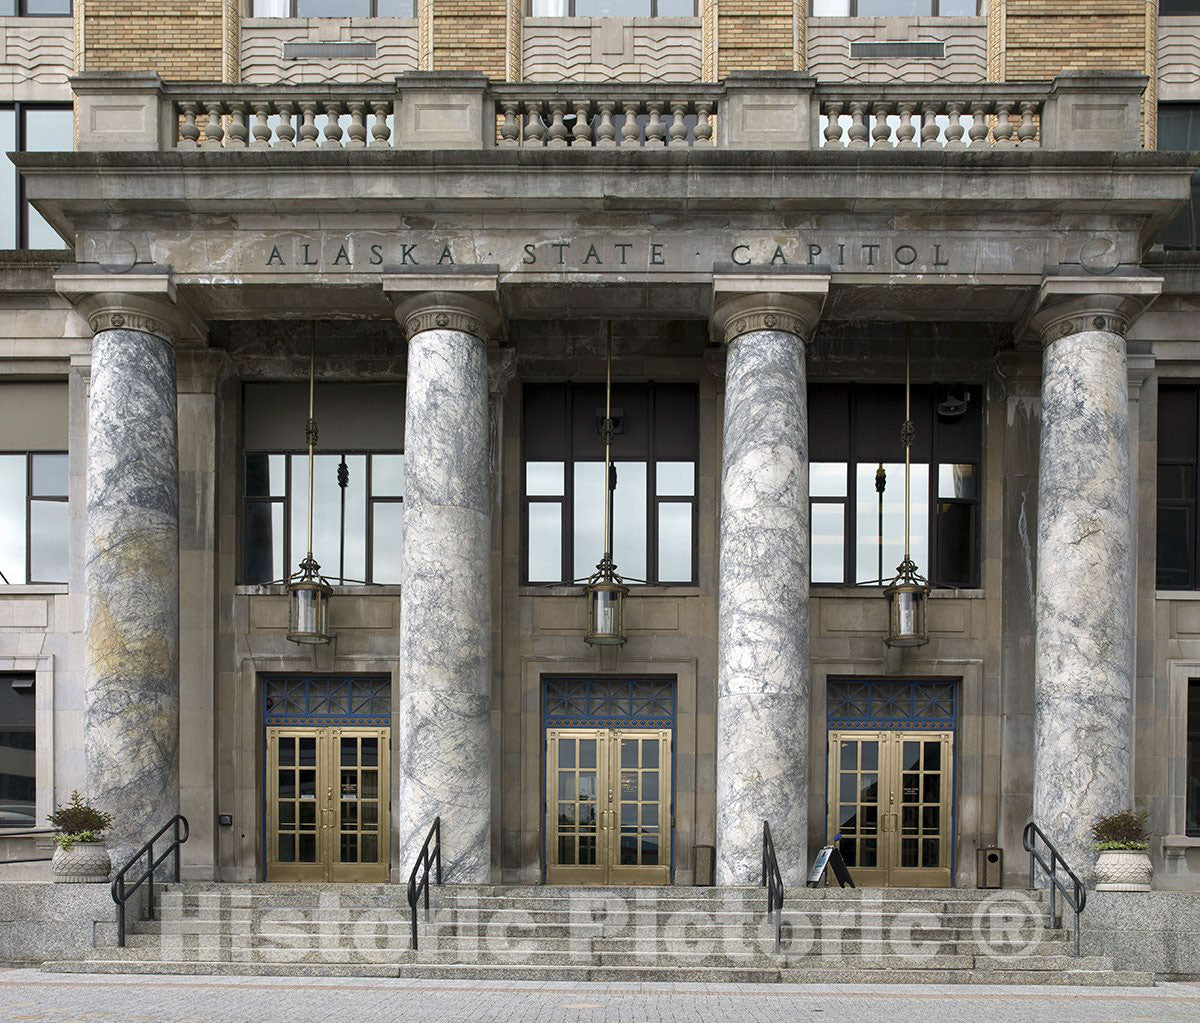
point(923, 808)
point(360, 851)
point(855, 762)
point(575, 762)
point(640, 820)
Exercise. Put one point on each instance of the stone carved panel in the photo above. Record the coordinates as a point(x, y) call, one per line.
point(965, 40)
point(622, 50)
point(1179, 58)
point(36, 58)
point(263, 41)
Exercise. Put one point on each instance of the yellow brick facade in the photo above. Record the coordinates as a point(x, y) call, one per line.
point(180, 39)
point(470, 35)
point(755, 35)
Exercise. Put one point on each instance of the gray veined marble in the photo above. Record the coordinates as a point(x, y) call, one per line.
point(1084, 593)
point(131, 729)
point(443, 718)
point(762, 669)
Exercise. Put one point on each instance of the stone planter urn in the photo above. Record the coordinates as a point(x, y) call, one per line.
point(82, 863)
point(1123, 870)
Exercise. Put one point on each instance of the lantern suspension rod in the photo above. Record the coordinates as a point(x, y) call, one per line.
point(608, 437)
point(907, 436)
point(310, 430)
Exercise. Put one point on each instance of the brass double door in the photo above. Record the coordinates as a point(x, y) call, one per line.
point(891, 795)
point(608, 806)
point(327, 804)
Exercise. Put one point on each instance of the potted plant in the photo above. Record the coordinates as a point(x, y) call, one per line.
point(1124, 861)
point(81, 856)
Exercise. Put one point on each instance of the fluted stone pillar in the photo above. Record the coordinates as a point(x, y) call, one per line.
point(131, 572)
point(442, 742)
point(762, 644)
point(1085, 574)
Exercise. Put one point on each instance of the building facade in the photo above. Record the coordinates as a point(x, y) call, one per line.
point(445, 211)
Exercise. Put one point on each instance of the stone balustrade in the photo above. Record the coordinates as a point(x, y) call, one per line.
point(761, 111)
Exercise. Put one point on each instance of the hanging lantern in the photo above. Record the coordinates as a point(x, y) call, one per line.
point(605, 591)
point(308, 592)
point(908, 592)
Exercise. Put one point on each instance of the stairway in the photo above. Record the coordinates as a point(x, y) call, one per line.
point(927, 936)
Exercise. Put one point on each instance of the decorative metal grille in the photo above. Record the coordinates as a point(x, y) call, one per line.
point(609, 702)
point(322, 700)
point(869, 704)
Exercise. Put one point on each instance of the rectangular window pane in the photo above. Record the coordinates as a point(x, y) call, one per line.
point(47, 8)
point(387, 540)
point(869, 556)
point(827, 479)
point(8, 180)
point(831, 8)
point(331, 520)
point(12, 519)
point(387, 475)
point(894, 8)
point(1193, 757)
point(958, 481)
point(629, 518)
point(262, 542)
point(394, 9)
point(8, 8)
point(544, 479)
point(1176, 529)
point(265, 476)
point(47, 131)
point(674, 542)
point(271, 8)
point(18, 779)
point(957, 9)
point(545, 542)
point(1176, 482)
point(676, 8)
point(828, 543)
point(333, 8)
point(956, 543)
point(49, 476)
point(612, 8)
point(48, 541)
point(675, 479)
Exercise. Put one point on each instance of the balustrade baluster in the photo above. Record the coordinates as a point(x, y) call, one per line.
point(631, 131)
point(189, 131)
point(881, 131)
point(534, 129)
point(979, 124)
point(833, 126)
point(929, 126)
point(581, 133)
point(557, 132)
point(213, 131)
point(656, 130)
point(333, 130)
point(1027, 132)
point(381, 134)
point(606, 131)
point(678, 132)
point(237, 133)
point(261, 132)
point(309, 132)
point(285, 130)
point(510, 130)
point(1003, 131)
point(704, 127)
point(906, 130)
point(357, 131)
point(858, 126)
point(954, 125)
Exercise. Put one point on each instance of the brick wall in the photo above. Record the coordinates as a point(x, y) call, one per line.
point(755, 35)
point(469, 35)
point(180, 39)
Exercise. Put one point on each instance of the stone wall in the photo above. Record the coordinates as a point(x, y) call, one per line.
point(1179, 59)
point(469, 35)
point(42, 920)
point(965, 41)
point(263, 41)
point(37, 55)
point(627, 50)
point(180, 39)
point(1157, 932)
point(758, 35)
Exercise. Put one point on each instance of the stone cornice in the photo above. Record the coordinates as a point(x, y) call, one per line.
point(748, 302)
point(143, 302)
point(1073, 305)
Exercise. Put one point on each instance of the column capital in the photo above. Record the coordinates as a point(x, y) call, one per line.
point(144, 302)
point(747, 302)
point(1072, 305)
point(448, 300)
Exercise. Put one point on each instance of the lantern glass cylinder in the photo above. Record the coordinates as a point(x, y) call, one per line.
point(606, 613)
point(309, 618)
point(906, 614)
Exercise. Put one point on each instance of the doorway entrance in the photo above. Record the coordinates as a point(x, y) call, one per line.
point(608, 806)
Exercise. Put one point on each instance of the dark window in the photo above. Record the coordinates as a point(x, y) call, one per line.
point(894, 8)
point(35, 8)
point(18, 781)
point(856, 483)
point(358, 515)
point(1175, 525)
point(1193, 757)
point(612, 8)
point(655, 454)
point(33, 518)
point(29, 129)
point(333, 9)
point(1168, 7)
point(1179, 130)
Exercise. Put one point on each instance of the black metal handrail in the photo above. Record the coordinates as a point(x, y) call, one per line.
point(1075, 897)
point(121, 892)
point(773, 882)
point(425, 858)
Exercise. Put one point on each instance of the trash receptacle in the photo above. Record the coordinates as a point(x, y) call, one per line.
point(989, 867)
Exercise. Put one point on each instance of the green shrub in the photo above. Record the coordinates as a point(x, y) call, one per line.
point(79, 822)
point(1124, 830)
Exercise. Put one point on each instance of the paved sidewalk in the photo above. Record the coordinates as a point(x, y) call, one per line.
point(30, 996)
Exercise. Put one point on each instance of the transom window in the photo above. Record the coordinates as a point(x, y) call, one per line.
point(894, 8)
point(856, 483)
point(654, 506)
point(612, 8)
point(332, 9)
point(33, 518)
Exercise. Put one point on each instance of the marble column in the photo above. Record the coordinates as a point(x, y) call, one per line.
point(131, 573)
point(763, 628)
point(1084, 606)
point(442, 742)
